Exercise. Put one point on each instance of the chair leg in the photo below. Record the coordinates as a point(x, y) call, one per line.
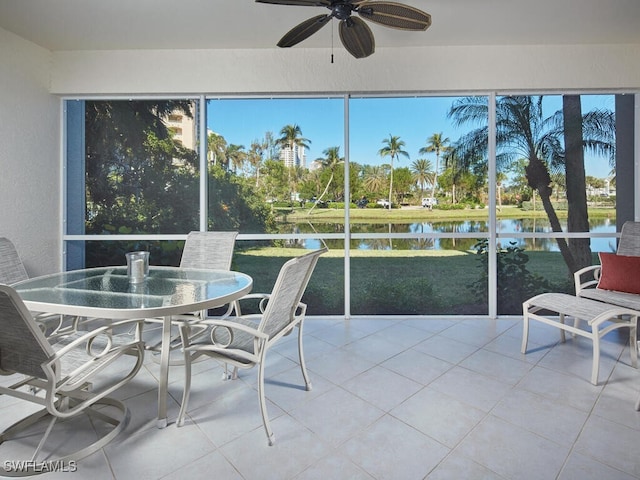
point(562, 334)
point(184, 331)
point(525, 327)
point(119, 421)
point(303, 366)
point(633, 341)
point(229, 376)
point(596, 356)
point(263, 405)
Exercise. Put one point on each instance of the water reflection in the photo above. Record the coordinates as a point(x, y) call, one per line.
point(504, 227)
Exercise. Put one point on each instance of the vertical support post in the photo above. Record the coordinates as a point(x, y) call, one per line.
point(347, 206)
point(492, 274)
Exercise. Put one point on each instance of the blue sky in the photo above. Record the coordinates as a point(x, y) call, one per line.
point(413, 119)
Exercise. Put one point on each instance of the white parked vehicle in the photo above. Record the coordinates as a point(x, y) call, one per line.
point(384, 203)
point(429, 202)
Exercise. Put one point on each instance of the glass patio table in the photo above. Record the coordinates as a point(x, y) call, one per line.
point(106, 292)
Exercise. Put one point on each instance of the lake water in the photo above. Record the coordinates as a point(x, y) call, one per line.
point(505, 227)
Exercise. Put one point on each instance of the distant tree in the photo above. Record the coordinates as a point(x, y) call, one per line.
point(422, 171)
point(236, 156)
point(392, 149)
point(374, 179)
point(255, 157)
point(595, 182)
point(439, 145)
point(275, 184)
point(330, 161)
point(403, 182)
point(291, 137)
point(216, 148)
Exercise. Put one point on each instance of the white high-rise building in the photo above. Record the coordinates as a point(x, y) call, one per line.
point(293, 157)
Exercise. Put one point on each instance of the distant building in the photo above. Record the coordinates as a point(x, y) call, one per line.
point(184, 128)
point(315, 165)
point(293, 157)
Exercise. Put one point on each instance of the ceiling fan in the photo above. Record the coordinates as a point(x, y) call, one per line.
point(355, 34)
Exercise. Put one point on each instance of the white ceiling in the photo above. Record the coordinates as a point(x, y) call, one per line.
point(210, 24)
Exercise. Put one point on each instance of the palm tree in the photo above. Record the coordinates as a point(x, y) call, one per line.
point(236, 156)
point(522, 131)
point(217, 147)
point(392, 148)
point(422, 171)
point(457, 168)
point(254, 157)
point(291, 137)
point(500, 178)
point(330, 161)
point(437, 144)
point(374, 178)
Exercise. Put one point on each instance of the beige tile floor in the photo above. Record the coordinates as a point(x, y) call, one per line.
point(391, 399)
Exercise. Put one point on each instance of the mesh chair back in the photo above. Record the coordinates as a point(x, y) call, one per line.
point(23, 347)
point(210, 250)
point(629, 244)
point(11, 267)
point(287, 292)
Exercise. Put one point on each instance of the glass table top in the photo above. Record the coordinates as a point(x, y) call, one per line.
point(166, 291)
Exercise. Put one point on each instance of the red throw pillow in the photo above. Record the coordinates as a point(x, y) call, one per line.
point(619, 273)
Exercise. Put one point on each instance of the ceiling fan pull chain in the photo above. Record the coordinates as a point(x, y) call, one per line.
point(332, 32)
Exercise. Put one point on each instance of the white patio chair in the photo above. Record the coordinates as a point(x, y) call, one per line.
point(69, 375)
point(209, 250)
point(12, 271)
point(11, 267)
point(243, 341)
point(586, 279)
point(204, 250)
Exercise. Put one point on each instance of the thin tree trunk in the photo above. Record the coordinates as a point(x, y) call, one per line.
point(539, 179)
point(326, 189)
point(435, 181)
point(391, 183)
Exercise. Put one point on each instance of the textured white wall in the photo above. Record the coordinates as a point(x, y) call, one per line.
point(29, 154)
point(297, 70)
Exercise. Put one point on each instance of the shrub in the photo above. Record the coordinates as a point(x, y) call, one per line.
point(378, 296)
point(515, 282)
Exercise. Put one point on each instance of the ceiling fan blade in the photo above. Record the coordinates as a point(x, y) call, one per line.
point(303, 31)
point(357, 37)
point(395, 15)
point(301, 3)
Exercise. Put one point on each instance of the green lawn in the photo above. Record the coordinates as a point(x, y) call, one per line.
point(391, 282)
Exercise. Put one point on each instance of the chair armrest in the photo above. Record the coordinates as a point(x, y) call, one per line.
point(586, 277)
point(92, 335)
point(81, 369)
point(264, 300)
point(217, 346)
point(230, 326)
